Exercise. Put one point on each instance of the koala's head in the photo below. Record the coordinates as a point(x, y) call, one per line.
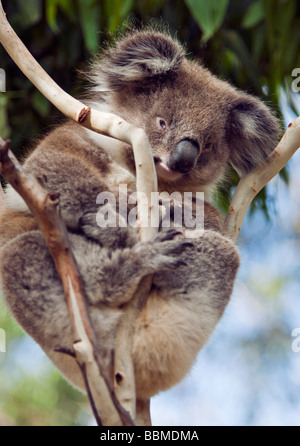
point(195, 122)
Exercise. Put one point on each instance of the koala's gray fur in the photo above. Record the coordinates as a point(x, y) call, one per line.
point(196, 125)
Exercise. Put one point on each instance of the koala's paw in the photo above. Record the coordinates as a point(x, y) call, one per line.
point(110, 236)
point(165, 251)
point(88, 224)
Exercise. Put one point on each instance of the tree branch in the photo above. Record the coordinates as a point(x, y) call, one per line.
point(44, 207)
point(249, 185)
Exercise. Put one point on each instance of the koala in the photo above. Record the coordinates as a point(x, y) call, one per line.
point(197, 124)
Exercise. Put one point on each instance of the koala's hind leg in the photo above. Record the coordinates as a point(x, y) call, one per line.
point(182, 311)
point(32, 289)
point(34, 292)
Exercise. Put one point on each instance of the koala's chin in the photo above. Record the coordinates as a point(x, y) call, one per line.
point(165, 173)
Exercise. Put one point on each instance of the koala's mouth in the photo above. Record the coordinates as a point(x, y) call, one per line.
point(164, 172)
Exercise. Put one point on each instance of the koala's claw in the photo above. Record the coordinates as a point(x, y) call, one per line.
point(169, 262)
point(88, 225)
point(186, 245)
point(165, 252)
point(170, 234)
point(88, 218)
point(109, 237)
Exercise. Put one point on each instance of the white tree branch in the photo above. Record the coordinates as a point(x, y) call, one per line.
point(249, 185)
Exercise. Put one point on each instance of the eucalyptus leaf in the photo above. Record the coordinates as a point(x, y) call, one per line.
point(90, 23)
point(208, 14)
point(51, 9)
point(116, 12)
point(40, 103)
point(5, 129)
point(254, 15)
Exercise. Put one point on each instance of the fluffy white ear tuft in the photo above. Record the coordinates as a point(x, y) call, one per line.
point(252, 133)
point(140, 56)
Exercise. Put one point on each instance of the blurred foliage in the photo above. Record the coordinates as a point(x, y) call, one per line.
point(32, 392)
point(251, 43)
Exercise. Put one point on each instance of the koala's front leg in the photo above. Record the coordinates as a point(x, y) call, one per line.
point(107, 230)
point(207, 278)
point(77, 184)
point(112, 277)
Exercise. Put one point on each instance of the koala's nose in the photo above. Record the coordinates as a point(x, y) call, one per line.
point(184, 156)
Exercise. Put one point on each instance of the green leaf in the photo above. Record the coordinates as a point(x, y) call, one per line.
point(150, 6)
point(4, 125)
point(254, 15)
point(284, 175)
point(41, 104)
point(51, 9)
point(279, 21)
point(90, 21)
point(116, 12)
point(208, 14)
point(235, 43)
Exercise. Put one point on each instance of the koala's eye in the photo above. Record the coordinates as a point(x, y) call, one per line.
point(162, 123)
point(208, 146)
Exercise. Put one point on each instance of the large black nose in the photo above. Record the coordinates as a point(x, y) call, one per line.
point(184, 156)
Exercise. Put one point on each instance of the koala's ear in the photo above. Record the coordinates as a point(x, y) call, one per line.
point(252, 133)
point(138, 57)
